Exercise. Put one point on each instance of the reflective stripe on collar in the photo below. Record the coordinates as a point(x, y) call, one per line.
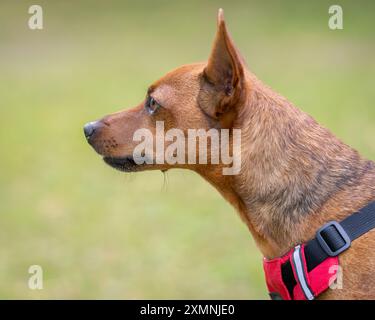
point(300, 271)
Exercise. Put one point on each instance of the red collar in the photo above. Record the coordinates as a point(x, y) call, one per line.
point(288, 277)
point(310, 268)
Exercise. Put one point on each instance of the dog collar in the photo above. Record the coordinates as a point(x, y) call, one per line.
point(309, 269)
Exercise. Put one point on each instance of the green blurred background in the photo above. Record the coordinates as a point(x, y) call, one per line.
point(101, 234)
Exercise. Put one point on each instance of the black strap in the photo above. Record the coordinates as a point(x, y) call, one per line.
point(354, 226)
point(332, 239)
point(288, 277)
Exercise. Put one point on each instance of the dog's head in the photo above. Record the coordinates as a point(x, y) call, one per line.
point(197, 96)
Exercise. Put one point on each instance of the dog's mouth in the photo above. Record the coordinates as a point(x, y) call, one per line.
point(125, 164)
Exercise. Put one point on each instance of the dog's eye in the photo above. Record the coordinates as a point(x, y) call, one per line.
point(151, 105)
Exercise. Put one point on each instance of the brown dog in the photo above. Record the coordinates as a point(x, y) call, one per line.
point(295, 175)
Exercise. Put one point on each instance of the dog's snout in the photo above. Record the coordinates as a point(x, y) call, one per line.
point(89, 129)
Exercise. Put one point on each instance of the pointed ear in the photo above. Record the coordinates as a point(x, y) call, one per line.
point(225, 67)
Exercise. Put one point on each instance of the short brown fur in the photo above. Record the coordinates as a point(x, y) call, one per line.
point(295, 175)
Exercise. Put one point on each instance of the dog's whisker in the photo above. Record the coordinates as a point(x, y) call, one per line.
point(165, 180)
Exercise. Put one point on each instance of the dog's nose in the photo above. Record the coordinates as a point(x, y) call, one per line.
point(89, 129)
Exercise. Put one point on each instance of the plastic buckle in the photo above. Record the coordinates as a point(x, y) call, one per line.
point(340, 230)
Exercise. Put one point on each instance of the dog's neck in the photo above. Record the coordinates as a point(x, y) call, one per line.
point(295, 174)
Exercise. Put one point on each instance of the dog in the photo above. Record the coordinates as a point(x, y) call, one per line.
point(295, 175)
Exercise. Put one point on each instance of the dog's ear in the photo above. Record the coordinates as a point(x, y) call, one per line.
point(224, 71)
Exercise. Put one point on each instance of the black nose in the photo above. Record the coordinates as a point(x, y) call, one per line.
point(89, 129)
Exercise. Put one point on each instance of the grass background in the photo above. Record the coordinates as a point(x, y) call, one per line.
point(101, 234)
